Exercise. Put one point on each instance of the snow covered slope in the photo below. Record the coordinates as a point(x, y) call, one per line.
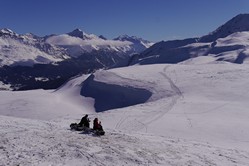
point(24, 59)
point(138, 44)
point(78, 42)
point(204, 101)
point(228, 43)
point(233, 48)
point(196, 115)
point(32, 142)
point(239, 23)
point(27, 50)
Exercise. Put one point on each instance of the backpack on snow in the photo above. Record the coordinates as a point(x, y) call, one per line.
point(77, 127)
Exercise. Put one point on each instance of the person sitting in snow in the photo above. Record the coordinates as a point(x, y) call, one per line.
point(85, 122)
point(97, 125)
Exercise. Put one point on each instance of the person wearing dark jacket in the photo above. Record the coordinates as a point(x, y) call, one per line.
point(97, 125)
point(85, 121)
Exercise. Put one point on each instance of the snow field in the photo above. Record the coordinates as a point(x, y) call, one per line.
point(197, 115)
point(34, 142)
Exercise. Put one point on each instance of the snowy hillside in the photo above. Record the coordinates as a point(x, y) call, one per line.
point(138, 44)
point(77, 46)
point(27, 50)
point(25, 59)
point(78, 42)
point(196, 115)
point(233, 48)
point(228, 43)
point(239, 23)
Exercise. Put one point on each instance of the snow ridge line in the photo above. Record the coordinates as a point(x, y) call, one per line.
point(178, 92)
point(172, 84)
point(140, 122)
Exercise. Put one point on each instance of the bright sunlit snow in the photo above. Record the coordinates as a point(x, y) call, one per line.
point(14, 52)
point(77, 46)
point(197, 115)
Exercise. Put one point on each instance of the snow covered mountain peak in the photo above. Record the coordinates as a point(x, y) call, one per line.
point(238, 23)
point(7, 32)
point(81, 34)
point(102, 37)
point(124, 37)
point(129, 38)
point(135, 40)
point(228, 43)
point(31, 35)
point(76, 33)
point(27, 50)
point(78, 42)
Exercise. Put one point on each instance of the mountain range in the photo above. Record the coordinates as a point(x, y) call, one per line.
point(191, 112)
point(29, 49)
point(229, 43)
point(29, 62)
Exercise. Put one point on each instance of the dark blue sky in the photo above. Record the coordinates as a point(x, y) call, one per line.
point(154, 20)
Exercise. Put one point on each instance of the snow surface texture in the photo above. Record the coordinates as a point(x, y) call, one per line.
point(197, 115)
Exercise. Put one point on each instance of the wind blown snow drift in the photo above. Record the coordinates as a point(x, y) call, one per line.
point(110, 96)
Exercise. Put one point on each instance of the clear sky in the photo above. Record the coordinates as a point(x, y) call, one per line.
point(153, 20)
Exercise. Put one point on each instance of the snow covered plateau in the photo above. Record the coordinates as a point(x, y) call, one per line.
point(197, 114)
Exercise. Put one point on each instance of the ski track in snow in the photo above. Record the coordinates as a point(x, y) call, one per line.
point(29, 142)
point(177, 91)
point(127, 142)
point(140, 122)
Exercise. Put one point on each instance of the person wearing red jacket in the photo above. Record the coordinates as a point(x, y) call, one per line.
point(97, 125)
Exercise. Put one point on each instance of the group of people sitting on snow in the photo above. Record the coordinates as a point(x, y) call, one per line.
point(85, 122)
